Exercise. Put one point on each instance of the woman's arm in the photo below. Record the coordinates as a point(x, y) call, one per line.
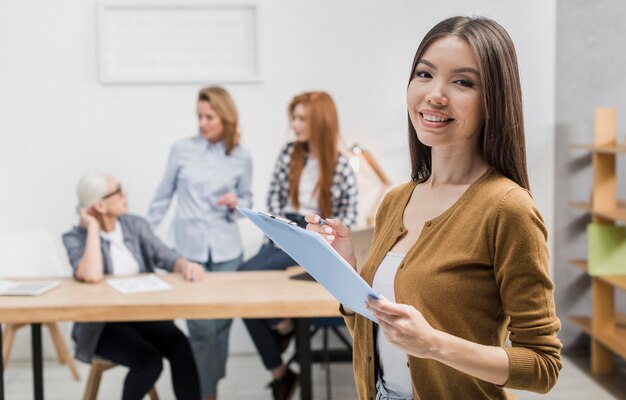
point(189, 270)
point(163, 196)
point(244, 186)
point(277, 194)
point(347, 207)
point(243, 193)
point(90, 267)
point(406, 328)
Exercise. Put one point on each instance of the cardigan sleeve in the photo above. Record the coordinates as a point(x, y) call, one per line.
point(527, 292)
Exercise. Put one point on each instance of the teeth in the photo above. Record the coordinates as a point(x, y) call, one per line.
point(434, 118)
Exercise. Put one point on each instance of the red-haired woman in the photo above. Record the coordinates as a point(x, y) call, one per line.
point(311, 176)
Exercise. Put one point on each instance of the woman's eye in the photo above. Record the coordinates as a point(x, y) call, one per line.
point(464, 82)
point(423, 74)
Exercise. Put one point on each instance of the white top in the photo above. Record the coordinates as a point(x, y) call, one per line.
point(122, 260)
point(393, 362)
point(307, 196)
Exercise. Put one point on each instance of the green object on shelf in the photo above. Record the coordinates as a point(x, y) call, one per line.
point(607, 249)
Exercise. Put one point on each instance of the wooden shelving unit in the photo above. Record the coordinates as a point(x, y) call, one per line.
point(606, 327)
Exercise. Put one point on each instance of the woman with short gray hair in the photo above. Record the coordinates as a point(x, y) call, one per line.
point(108, 241)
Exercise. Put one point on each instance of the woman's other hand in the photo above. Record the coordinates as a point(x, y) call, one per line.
point(88, 219)
point(192, 271)
point(229, 200)
point(404, 327)
point(336, 233)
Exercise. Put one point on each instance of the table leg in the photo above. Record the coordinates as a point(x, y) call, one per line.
point(37, 360)
point(1, 367)
point(303, 343)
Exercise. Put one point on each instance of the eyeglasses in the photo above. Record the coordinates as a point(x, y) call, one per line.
point(113, 193)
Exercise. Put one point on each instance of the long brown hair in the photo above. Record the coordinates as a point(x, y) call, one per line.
point(502, 136)
point(323, 125)
point(223, 104)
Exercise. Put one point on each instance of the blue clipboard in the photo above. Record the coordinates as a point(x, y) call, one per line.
point(317, 256)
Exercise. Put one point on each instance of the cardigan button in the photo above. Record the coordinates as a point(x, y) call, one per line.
point(428, 223)
point(369, 358)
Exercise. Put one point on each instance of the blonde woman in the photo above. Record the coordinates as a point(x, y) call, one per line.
point(211, 174)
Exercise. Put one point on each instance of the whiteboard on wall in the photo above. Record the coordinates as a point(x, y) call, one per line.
point(205, 42)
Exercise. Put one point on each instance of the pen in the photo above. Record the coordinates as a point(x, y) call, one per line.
point(279, 218)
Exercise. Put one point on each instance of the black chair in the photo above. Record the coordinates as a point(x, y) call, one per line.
point(326, 355)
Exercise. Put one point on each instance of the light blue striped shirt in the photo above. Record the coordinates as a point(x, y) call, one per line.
point(200, 172)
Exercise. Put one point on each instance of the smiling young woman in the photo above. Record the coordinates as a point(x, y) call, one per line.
point(459, 253)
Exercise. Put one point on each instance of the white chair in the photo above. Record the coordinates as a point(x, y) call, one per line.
point(34, 254)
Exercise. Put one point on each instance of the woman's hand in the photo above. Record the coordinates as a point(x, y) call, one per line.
point(229, 200)
point(88, 219)
point(404, 327)
point(192, 271)
point(336, 233)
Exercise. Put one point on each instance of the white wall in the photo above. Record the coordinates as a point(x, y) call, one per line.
point(59, 122)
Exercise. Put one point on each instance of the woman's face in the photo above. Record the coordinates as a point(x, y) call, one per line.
point(299, 123)
point(115, 202)
point(444, 97)
point(209, 122)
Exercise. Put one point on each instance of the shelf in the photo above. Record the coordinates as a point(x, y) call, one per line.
point(581, 205)
point(618, 281)
point(618, 214)
point(606, 149)
point(614, 339)
point(579, 263)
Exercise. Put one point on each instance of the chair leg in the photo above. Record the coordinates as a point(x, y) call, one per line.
point(153, 394)
point(8, 337)
point(93, 381)
point(327, 363)
point(62, 351)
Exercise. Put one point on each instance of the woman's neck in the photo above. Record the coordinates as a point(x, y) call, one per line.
point(107, 223)
point(456, 168)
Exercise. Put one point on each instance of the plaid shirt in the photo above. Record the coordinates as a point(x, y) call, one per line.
point(343, 191)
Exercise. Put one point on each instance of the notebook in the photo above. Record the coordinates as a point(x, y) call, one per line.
point(9, 288)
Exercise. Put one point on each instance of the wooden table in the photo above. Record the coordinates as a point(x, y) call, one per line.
point(257, 294)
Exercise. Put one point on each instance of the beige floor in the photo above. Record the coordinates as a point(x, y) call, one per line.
point(246, 380)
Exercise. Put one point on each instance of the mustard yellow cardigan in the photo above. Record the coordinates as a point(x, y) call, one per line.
point(478, 271)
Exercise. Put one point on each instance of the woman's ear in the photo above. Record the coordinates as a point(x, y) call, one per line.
point(98, 209)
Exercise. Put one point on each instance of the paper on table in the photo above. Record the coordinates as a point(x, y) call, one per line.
point(141, 284)
point(320, 260)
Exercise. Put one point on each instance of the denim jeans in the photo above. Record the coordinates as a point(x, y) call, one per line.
point(263, 335)
point(209, 339)
point(382, 394)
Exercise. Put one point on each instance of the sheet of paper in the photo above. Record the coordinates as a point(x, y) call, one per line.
point(141, 284)
point(320, 260)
